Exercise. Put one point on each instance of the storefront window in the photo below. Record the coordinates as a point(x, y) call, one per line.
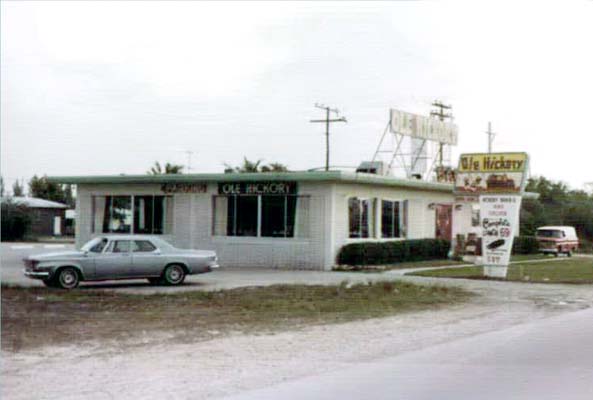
point(390, 219)
point(117, 214)
point(145, 214)
point(278, 216)
point(262, 215)
point(359, 217)
point(150, 214)
point(242, 216)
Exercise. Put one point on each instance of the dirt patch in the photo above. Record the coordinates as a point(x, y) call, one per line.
point(33, 317)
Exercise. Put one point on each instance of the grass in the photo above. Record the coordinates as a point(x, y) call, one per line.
point(574, 271)
point(424, 264)
point(402, 265)
point(33, 317)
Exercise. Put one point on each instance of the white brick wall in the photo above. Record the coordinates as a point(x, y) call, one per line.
point(327, 219)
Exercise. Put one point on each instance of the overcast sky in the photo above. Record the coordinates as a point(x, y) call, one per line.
point(110, 87)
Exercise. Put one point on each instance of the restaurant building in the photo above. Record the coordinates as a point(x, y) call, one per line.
point(281, 220)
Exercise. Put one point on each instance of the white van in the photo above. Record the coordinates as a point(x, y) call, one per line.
point(557, 239)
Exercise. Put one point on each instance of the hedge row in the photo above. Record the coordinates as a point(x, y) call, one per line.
point(377, 253)
point(525, 245)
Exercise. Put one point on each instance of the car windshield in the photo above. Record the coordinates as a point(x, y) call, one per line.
point(550, 233)
point(95, 245)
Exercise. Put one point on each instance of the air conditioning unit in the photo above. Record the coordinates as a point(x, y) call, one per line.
point(372, 167)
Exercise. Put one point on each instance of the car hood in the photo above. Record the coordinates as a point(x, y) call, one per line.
point(56, 255)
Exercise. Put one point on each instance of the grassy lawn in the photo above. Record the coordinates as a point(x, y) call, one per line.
point(40, 316)
point(578, 271)
point(403, 265)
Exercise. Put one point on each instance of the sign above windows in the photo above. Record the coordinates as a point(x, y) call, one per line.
point(257, 188)
point(184, 187)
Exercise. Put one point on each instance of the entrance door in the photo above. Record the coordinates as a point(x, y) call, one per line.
point(444, 221)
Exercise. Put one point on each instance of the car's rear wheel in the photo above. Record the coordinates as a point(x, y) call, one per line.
point(174, 275)
point(68, 278)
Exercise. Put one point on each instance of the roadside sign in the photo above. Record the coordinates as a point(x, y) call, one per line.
point(498, 180)
point(491, 173)
point(499, 217)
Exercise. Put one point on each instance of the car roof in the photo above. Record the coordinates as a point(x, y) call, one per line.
point(129, 237)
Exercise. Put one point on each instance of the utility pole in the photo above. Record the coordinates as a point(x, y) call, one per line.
point(327, 121)
point(189, 154)
point(491, 136)
point(442, 115)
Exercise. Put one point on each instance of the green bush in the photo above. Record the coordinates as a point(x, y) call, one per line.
point(15, 221)
point(525, 245)
point(392, 252)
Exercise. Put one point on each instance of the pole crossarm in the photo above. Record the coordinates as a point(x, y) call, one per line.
point(327, 122)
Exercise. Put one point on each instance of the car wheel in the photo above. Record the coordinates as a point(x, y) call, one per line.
point(174, 274)
point(68, 278)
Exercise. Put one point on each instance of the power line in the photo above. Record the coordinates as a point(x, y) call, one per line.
point(327, 121)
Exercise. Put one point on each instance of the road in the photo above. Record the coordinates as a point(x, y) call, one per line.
point(550, 359)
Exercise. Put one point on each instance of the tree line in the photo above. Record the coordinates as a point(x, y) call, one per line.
point(557, 205)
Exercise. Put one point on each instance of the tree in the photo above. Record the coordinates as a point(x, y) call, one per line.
point(1, 186)
point(43, 189)
point(17, 189)
point(557, 205)
point(169, 168)
point(255, 167)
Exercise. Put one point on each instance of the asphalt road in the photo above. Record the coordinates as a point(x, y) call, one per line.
point(550, 359)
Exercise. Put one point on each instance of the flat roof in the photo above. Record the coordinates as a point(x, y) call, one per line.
point(314, 176)
point(302, 176)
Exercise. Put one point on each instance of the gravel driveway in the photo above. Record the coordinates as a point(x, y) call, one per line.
point(148, 369)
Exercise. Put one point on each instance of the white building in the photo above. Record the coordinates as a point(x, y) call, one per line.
point(283, 220)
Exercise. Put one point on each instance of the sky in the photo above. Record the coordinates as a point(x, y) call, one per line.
point(110, 87)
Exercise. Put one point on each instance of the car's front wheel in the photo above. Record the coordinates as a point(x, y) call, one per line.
point(67, 278)
point(174, 275)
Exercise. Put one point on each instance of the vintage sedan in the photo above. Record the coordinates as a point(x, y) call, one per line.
point(113, 257)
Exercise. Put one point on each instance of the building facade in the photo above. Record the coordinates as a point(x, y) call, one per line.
point(279, 220)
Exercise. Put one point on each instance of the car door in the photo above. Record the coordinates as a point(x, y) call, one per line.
point(115, 262)
point(146, 259)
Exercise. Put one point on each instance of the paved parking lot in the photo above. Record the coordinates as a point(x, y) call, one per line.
point(222, 278)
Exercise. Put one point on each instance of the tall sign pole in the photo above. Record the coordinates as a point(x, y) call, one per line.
point(327, 121)
point(491, 136)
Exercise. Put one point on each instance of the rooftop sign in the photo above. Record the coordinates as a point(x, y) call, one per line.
point(421, 127)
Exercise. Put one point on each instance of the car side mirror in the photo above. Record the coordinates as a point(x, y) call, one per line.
point(157, 251)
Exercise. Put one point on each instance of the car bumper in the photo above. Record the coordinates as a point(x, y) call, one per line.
point(36, 274)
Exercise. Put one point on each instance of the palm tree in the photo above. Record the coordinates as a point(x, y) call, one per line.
point(255, 166)
point(169, 168)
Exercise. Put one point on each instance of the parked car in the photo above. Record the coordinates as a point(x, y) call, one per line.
point(120, 257)
point(557, 239)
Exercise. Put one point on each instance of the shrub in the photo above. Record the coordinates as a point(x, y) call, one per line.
point(391, 252)
point(15, 221)
point(525, 245)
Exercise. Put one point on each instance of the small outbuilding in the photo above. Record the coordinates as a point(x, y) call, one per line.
point(48, 218)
